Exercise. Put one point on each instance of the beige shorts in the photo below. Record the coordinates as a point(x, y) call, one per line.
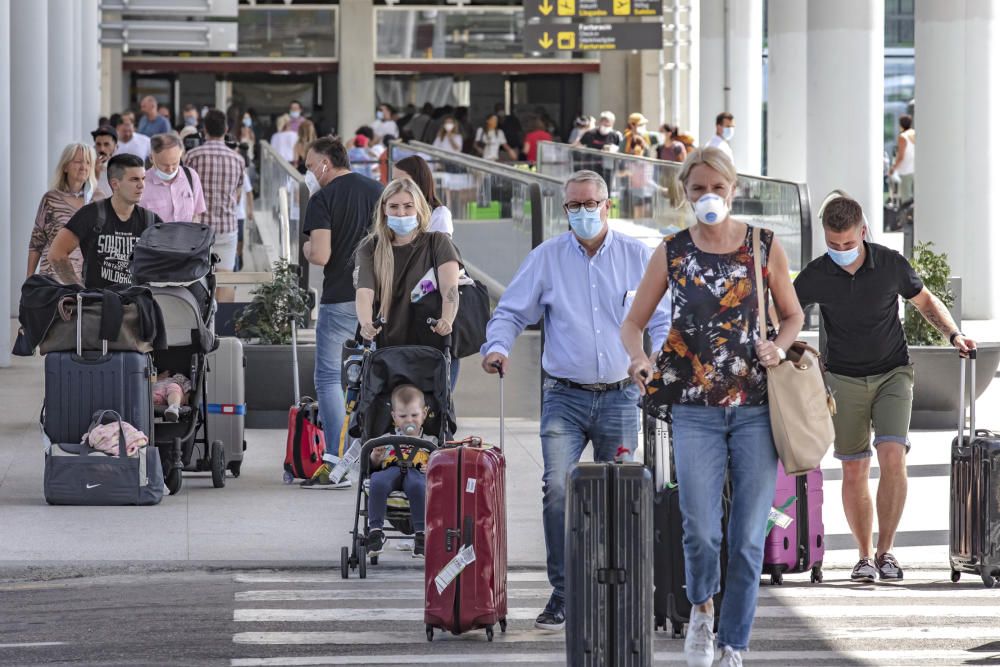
point(883, 402)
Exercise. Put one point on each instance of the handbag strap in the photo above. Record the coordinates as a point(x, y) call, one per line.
point(759, 280)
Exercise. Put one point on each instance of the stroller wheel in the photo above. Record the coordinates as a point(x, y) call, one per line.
point(430, 633)
point(174, 480)
point(345, 562)
point(234, 467)
point(362, 563)
point(373, 560)
point(218, 465)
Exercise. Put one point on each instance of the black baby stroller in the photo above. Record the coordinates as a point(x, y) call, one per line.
point(429, 370)
point(175, 260)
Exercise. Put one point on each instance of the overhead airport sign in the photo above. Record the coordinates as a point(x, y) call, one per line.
point(591, 8)
point(592, 36)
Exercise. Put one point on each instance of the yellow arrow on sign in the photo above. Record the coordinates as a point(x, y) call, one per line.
point(545, 8)
point(546, 41)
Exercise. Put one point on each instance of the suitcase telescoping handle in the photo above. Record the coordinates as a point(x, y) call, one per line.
point(79, 324)
point(295, 358)
point(969, 361)
point(499, 366)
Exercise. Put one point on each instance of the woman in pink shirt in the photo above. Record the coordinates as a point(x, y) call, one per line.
point(172, 192)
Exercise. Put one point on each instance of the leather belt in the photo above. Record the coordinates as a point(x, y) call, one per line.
point(597, 386)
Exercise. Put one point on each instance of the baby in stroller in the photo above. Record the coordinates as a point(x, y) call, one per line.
point(171, 389)
point(409, 412)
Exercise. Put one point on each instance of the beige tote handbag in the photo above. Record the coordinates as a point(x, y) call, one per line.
point(800, 402)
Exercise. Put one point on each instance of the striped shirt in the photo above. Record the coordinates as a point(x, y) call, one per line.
point(221, 172)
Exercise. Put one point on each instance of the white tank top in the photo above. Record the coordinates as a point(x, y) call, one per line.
point(909, 155)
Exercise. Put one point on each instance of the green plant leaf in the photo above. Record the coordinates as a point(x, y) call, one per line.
point(935, 272)
point(267, 318)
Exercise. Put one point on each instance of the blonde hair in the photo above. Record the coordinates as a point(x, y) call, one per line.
point(59, 180)
point(381, 237)
point(710, 157)
point(307, 132)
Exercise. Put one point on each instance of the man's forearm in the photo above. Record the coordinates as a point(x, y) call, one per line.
point(937, 314)
point(64, 271)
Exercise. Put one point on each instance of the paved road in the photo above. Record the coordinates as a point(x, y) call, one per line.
point(311, 617)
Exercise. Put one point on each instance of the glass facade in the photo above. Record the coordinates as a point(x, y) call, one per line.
point(431, 33)
point(281, 32)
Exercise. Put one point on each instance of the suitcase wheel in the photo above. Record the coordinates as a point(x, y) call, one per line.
point(373, 560)
point(345, 562)
point(430, 633)
point(955, 576)
point(816, 576)
point(288, 477)
point(677, 629)
point(489, 632)
point(503, 625)
point(988, 581)
point(777, 579)
point(234, 467)
point(659, 622)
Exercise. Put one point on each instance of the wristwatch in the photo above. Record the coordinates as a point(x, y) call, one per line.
point(951, 338)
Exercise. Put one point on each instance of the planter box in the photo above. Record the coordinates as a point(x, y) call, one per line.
point(269, 387)
point(936, 375)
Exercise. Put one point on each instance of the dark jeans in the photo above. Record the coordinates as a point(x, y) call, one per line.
point(384, 482)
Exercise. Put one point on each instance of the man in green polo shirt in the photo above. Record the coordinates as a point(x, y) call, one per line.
point(857, 285)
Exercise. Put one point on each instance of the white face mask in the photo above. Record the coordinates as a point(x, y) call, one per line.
point(312, 183)
point(448, 127)
point(604, 129)
point(711, 209)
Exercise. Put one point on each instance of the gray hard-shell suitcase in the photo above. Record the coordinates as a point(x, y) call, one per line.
point(975, 494)
point(609, 565)
point(226, 405)
point(79, 384)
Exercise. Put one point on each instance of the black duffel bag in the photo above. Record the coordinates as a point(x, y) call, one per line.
point(76, 474)
point(176, 253)
point(468, 331)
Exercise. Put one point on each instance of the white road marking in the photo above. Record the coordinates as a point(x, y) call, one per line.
point(32, 644)
point(413, 614)
point(909, 593)
point(374, 576)
point(363, 594)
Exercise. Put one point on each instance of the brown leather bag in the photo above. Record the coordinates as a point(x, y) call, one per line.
point(798, 398)
point(62, 333)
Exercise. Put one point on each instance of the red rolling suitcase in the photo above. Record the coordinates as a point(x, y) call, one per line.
point(465, 567)
point(305, 445)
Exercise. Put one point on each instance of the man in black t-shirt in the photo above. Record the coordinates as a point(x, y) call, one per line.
point(857, 285)
point(106, 230)
point(338, 216)
point(605, 136)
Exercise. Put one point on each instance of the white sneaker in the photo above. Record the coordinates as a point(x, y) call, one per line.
point(731, 657)
point(699, 645)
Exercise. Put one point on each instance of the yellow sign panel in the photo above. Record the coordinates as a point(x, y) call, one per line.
point(622, 7)
point(566, 41)
point(566, 8)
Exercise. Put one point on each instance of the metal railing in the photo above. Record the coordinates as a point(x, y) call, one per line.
point(500, 212)
point(640, 190)
point(282, 186)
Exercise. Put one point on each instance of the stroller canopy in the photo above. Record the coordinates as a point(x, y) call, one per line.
point(173, 253)
point(385, 369)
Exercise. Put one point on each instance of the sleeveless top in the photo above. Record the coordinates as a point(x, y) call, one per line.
point(909, 156)
point(709, 357)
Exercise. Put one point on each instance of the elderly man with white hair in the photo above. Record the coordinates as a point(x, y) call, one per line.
point(151, 122)
point(581, 283)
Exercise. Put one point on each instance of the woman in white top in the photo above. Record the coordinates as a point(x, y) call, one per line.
point(490, 139)
point(906, 153)
point(448, 137)
point(417, 170)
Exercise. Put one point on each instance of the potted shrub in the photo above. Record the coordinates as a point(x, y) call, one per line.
point(935, 362)
point(266, 329)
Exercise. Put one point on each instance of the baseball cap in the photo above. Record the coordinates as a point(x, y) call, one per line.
point(105, 130)
point(637, 119)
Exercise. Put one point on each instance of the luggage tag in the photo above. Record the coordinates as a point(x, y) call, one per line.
point(425, 286)
point(465, 556)
point(777, 516)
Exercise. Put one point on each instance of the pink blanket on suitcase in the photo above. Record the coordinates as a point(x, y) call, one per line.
point(104, 438)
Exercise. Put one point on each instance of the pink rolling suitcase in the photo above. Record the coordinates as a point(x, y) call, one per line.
point(799, 546)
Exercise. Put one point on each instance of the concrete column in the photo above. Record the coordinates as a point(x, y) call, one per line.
point(957, 47)
point(690, 119)
point(62, 77)
point(5, 176)
point(652, 91)
point(591, 93)
point(614, 86)
point(356, 78)
point(845, 104)
point(90, 69)
point(786, 85)
point(29, 70)
point(732, 35)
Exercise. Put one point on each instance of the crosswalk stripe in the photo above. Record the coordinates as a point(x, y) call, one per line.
point(413, 614)
point(363, 594)
point(910, 593)
point(374, 575)
point(899, 658)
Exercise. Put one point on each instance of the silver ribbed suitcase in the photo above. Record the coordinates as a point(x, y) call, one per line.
point(226, 398)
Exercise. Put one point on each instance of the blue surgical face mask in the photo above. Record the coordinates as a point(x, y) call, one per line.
point(247, 121)
point(586, 224)
point(402, 224)
point(728, 132)
point(844, 257)
point(294, 114)
point(164, 175)
point(190, 121)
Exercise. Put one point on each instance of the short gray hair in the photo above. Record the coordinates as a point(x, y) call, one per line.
point(161, 142)
point(587, 176)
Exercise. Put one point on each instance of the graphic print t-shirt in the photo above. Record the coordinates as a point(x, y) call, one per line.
point(106, 253)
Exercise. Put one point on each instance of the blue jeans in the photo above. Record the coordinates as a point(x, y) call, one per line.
point(707, 441)
point(570, 419)
point(383, 482)
point(337, 324)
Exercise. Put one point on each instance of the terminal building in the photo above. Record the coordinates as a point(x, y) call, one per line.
point(816, 88)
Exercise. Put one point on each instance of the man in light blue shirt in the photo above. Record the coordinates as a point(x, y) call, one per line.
point(581, 283)
point(152, 123)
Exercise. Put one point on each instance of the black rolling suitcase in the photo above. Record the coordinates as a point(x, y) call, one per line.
point(79, 384)
point(975, 493)
point(609, 557)
point(670, 602)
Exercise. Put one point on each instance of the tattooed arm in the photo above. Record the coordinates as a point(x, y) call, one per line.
point(448, 278)
point(935, 312)
point(63, 244)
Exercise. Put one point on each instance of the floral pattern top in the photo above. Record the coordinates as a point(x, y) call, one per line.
point(709, 357)
point(54, 211)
